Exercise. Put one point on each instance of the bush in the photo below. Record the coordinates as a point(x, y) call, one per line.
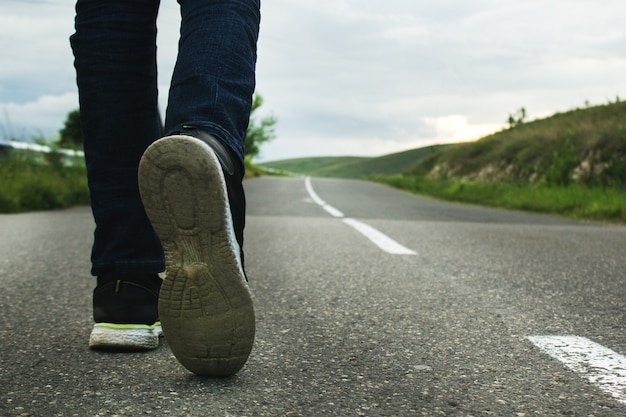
point(564, 160)
point(27, 185)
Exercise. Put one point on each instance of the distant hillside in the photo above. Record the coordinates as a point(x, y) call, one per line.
point(354, 167)
point(584, 145)
point(309, 166)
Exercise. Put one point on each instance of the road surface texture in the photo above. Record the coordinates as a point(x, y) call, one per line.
point(482, 312)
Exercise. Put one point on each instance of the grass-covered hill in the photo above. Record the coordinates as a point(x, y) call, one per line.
point(584, 145)
point(353, 167)
point(309, 166)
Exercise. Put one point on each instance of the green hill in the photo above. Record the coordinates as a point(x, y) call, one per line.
point(308, 166)
point(586, 146)
point(353, 167)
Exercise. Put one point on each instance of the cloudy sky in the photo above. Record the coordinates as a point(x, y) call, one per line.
point(359, 77)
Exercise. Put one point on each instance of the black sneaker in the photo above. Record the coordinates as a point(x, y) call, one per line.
point(125, 312)
point(192, 193)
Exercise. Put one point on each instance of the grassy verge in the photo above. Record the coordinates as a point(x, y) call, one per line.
point(575, 201)
point(32, 185)
point(28, 186)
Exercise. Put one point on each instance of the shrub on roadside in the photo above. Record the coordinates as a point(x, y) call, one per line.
point(28, 186)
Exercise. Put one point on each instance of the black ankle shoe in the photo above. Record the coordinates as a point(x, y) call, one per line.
point(125, 309)
point(233, 171)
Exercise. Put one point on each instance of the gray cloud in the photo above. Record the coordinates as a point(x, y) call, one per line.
point(366, 77)
point(406, 68)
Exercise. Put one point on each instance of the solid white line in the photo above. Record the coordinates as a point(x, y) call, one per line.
point(379, 239)
point(602, 366)
point(309, 188)
point(330, 209)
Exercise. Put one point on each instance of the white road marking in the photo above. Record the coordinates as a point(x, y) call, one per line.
point(330, 209)
point(380, 239)
point(600, 365)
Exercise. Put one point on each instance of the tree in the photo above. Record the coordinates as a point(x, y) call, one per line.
point(71, 136)
point(259, 131)
point(517, 119)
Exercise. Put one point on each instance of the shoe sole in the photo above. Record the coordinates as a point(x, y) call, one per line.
point(205, 306)
point(111, 336)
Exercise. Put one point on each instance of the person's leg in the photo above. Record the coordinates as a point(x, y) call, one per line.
point(115, 59)
point(214, 77)
point(191, 185)
point(214, 80)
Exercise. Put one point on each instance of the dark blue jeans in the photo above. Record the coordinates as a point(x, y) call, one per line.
point(115, 58)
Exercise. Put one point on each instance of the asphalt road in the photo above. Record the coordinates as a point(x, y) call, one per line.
point(344, 328)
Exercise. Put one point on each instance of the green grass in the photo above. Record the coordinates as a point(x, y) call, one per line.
point(29, 186)
point(574, 201)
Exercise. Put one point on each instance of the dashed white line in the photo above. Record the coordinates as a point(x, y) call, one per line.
point(600, 365)
point(380, 239)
